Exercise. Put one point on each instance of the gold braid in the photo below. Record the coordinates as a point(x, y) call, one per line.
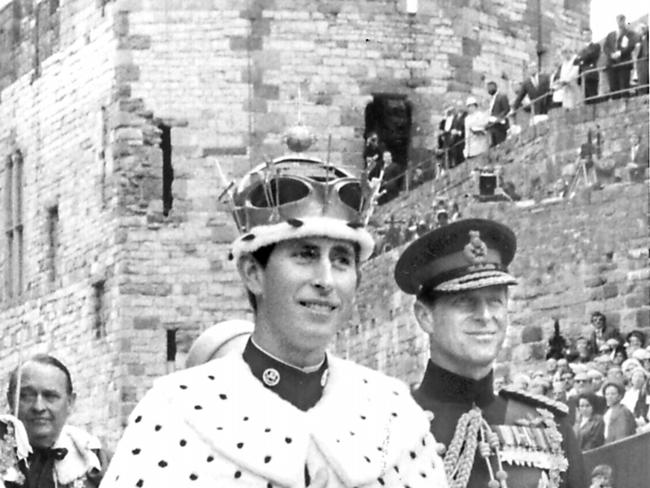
point(459, 458)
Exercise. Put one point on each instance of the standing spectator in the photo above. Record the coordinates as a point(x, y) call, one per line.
point(587, 61)
point(373, 155)
point(589, 426)
point(537, 87)
point(618, 48)
point(601, 332)
point(499, 108)
point(452, 134)
point(614, 375)
point(476, 138)
point(642, 58)
point(581, 353)
point(627, 367)
point(636, 396)
point(62, 455)
point(619, 421)
point(565, 79)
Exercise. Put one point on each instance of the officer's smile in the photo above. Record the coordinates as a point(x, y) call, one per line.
point(319, 306)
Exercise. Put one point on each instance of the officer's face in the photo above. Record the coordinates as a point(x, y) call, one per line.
point(44, 403)
point(466, 329)
point(304, 293)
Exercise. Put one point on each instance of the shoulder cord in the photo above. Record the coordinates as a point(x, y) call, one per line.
point(459, 458)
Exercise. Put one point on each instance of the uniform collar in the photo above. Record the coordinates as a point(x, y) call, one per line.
point(302, 389)
point(449, 387)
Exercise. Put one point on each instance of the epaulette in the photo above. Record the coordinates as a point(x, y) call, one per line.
point(556, 407)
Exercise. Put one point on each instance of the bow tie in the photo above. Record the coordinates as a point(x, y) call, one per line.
point(57, 453)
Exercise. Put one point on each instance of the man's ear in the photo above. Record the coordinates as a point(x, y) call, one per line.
point(251, 273)
point(424, 316)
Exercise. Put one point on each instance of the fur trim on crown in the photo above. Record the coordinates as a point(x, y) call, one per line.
point(264, 235)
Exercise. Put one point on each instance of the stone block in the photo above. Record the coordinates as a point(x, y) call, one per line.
point(643, 318)
point(532, 333)
point(146, 322)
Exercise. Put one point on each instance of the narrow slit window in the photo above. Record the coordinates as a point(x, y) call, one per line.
point(167, 168)
point(99, 309)
point(53, 242)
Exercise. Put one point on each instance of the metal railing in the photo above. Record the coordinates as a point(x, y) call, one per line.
point(406, 173)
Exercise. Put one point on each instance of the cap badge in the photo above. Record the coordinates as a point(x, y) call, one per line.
point(271, 377)
point(475, 250)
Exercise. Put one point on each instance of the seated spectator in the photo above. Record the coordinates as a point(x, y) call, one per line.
point(219, 340)
point(619, 421)
point(589, 426)
point(643, 356)
point(584, 386)
point(619, 355)
point(635, 340)
point(601, 332)
point(601, 477)
point(597, 379)
point(521, 382)
point(627, 367)
point(615, 375)
point(559, 390)
point(636, 395)
point(565, 80)
point(580, 353)
point(603, 361)
point(477, 141)
point(62, 455)
point(540, 386)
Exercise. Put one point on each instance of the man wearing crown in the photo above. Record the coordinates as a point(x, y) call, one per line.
point(459, 276)
point(285, 412)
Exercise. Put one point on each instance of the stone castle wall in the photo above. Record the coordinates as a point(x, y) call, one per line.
point(574, 255)
point(85, 92)
point(55, 117)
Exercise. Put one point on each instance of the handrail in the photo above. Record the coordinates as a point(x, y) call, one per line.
point(512, 114)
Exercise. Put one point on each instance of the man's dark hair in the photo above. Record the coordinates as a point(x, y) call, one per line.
point(599, 314)
point(41, 359)
point(492, 82)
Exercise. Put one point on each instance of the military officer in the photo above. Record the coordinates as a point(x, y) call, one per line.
point(284, 412)
point(459, 276)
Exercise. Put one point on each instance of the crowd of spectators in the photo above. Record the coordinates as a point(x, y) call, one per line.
point(603, 378)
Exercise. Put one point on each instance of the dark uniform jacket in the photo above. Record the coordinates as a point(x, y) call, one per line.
point(540, 92)
point(587, 59)
point(624, 43)
point(448, 396)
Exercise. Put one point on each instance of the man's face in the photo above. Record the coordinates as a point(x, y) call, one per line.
point(491, 88)
point(532, 68)
point(581, 347)
point(583, 385)
point(612, 396)
point(620, 21)
point(586, 35)
point(373, 140)
point(467, 328)
point(567, 376)
point(598, 322)
point(305, 293)
point(44, 404)
point(551, 365)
